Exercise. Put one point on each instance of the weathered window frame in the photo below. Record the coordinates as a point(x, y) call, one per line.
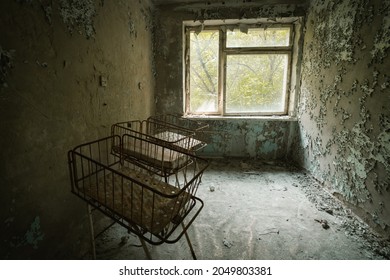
point(290, 50)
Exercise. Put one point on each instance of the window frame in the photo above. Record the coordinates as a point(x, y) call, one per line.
point(224, 52)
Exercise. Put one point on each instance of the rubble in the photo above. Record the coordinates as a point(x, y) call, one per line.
point(374, 245)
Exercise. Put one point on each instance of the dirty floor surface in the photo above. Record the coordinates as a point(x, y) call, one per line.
point(258, 210)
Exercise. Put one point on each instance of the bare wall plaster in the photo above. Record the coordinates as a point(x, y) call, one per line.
point(230, 137)
point(344, 117)
point(68, 70)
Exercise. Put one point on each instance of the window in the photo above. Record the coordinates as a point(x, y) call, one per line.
point(240, 69)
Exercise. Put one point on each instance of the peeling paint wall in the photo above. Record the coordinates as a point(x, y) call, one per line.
point(260, 139)
point(230, 137)
point(68, 70)
point(344, 113)
point(6, 64)
point(77, 15)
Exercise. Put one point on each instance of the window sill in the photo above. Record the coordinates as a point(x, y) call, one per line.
point(260, 118)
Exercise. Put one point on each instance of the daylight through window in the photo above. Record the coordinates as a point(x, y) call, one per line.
point(238, 70)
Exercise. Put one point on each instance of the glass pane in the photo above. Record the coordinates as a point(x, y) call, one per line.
point(204, 71)
point(256, 83)
point(259, 37)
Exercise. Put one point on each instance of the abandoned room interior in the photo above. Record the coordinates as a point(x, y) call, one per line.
point(294, 101)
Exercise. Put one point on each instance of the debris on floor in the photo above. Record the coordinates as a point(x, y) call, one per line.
point(240, 209)
point(352, 226)
point(270, 231)
point(227, 243)
point(324, 223)
point(124, 240)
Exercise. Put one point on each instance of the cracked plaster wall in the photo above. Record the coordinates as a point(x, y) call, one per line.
point(68, 70)
point(262, 139)
point(344, 117)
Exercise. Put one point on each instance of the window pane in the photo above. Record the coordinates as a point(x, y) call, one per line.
point(256, 83)
point(259, 37)
point(204, 71)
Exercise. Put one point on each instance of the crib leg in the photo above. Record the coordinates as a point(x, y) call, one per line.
point(145, 248)
point(92, 231)
point(189, 243)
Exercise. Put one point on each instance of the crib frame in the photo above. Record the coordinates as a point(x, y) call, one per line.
point(169, 130)
point(147, 204)
point(164, 133)
point(195, 126)
point(169, 137)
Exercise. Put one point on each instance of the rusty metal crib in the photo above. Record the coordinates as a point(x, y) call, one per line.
point(133, 194)
point(162, 159)
point(169, 130)
point(196, 127)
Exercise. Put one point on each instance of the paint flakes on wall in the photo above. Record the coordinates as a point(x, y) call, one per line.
point(305, 139)
point(335, 30)
point(6, 64)
point(203, 12)
point(79, 15)
point(48, 10)
point(363, 154)
point(147, 18)
point(32, 237)
point(132, 28)
point(342, 95)
point(272, 144)
point(243, 138)
point(381, 152)
point(357, 153)
point(382, 41)
point(34, 234)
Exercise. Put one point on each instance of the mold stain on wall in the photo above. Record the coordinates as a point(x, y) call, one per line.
point(343, 120)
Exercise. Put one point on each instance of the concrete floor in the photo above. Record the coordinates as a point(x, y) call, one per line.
point(258, 210)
